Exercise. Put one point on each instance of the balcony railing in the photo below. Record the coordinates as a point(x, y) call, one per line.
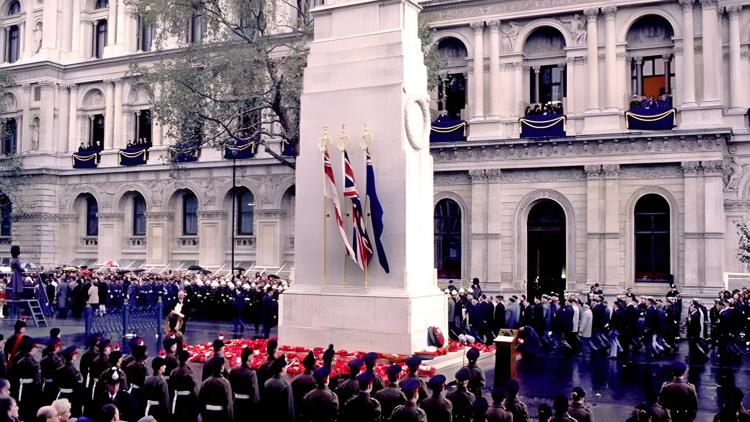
point(445, 129)
point(89, 241)
point(136, 242)
point(5, 240)
point(188, 241)
point(244, 241)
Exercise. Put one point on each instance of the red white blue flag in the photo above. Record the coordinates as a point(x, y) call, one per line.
point(360, 242)
point(330, 192)
point(376, 213)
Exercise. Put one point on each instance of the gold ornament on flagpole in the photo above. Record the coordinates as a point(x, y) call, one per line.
point(325, 140)
point(344, 139)
point(367, 140)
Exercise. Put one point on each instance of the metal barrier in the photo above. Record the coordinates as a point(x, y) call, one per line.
point(129, 322)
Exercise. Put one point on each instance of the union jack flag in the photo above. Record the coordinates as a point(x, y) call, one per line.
point(360, 242)
point(329, 191)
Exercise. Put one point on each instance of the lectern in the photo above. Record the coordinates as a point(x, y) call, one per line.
point(505, 356)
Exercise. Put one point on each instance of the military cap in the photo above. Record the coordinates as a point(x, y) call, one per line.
point(436, 381)
point(370, 358)
point(54, 332)
point(512, 386)
point(112, 376)
point(365, 377)
point(69, 351)
point(218, 344)
point(328, 355)
point(115, 357)
point(103, 344)
point(308, 362)
point(279, 364)
point(247, 352)
point(480, 405)
point(322, 372)
point(462, 374)
point(679, 368)
point(578, 392)
point(157, 363)
point(169, 342)
point(272, 345)
point(19, 324)
point(413, 362)
point(411, 384)
point(472, 354)
point(355, 364)
point(393, 370)
point(183, 355)
point(499, 392)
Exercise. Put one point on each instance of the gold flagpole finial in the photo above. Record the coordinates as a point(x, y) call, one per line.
point(367, 139)
point(325, 141)
point(344, 139)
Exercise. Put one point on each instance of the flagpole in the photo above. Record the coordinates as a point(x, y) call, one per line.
point(365, 144)
point(343, 143)
point(323, 147)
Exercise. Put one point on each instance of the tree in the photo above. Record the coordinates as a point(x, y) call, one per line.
point(11, 166)
point(240, 76)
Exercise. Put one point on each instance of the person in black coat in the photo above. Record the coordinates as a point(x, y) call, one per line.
point(182, 390)
point(112, 394)
point(268, 312)
point(70, 382)
point(3, 359)
point(25, 378)
point(498, 314)
point(321, 404)
point(218, 346)
point(391, 396)
point(362, 407)
point(244, 384)
point(277, 401)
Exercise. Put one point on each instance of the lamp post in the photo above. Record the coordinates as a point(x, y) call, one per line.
point(234, 207)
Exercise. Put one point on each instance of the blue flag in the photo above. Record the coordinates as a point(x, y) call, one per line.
point(376, 214)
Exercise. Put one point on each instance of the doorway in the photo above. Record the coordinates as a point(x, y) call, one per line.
point(546, 257)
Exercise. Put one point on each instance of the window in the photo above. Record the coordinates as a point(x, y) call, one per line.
point(100, 39)
point(14, 8)
point(245, 212)
point(143, 128)
point(452, 95)
point(189, 214)
point(195, 27)
point(145, 34)
point(96, 132)
point(101, 4)
point(250, 122)
point(13, 47)
point(92, 217)
point(139, 215)
point(6, 209)
point(648, 76)
point(37, 93)
point(10, 138)
point(547, 84)
point(448, 239)
point(652, 239)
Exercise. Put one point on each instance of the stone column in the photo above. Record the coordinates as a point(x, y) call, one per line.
point(613, 268)
point(638, 75)
point(478, 229)
point(25, 124)
point(47, 116)
point(112, 24)
point(75, 30)
point(592, 53)
point(27, 29)
point(712, 54)
point(119, 118)
point(495, 85)
point(613, 103)
point(494, 279)
point(536, 70)
point(507, 98)
point(212, 243)
point(268, 237)
point(688, 54)
point(518, 91)
point(691, 226)
point(595, 203)
point(735, 74)
point(478, 100)
point(109, 123)
point(122, 17)
point(3, 44)
point(110, 236)
point(713, 226)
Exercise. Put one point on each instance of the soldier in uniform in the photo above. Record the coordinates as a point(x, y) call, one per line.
point(413, 364)
point(349, 387)
point(436, 407)
point(182, 387)
point(244, 384)
point(362, 407)
point(136, 372)
point(26, 376)
point(410, 412)
point(264, 370)
point(218, 346)
point(391, 396)
point(170, 348)
point(476, 374)
point(303, 383)
point(579, 410)
point(98, 365)
point(50, 363)
point(215, 395)
point(156, 392)
point(370, 360)
point(461, 398)
point(320, 404)
point(70, 381)
point(112, 394)
point(497, 412)
point(678, 396)
point(115, 361)
point(277, 401)
point(86, 358)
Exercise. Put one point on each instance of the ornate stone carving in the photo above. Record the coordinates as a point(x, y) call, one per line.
point(157, 193)
point(611, 171)
point(645, 172)
point(708, 3)
point(609, 11)
point(452, 178)
point(542, 175)
point(477, 26)
point(713, 167)
point(494, 24)
point(510, 32)
point(733, 9)
point(690, 168)
point(593, 171)
point(577, 25)
point(269, 187)
point(455, 10)
point(731, 173)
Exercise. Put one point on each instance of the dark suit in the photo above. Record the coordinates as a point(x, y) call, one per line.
point(390, 397)
point(245, 392)
point(362, 408)
point(320, 405)
point(125, 403)
point(462, 401)
point(680, 399)
point(437, 408)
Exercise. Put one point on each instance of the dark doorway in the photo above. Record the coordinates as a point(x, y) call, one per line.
point(448, 239)
point(546, 249)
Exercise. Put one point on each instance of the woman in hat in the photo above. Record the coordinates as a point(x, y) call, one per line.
point(16, 277)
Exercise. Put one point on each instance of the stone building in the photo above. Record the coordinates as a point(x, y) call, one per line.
point(608, 204)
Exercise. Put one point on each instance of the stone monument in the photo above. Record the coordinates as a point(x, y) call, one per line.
point(365, 67)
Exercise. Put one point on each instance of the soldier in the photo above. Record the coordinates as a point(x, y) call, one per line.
point(215, 396)
point(461, 398)
point(320, 404)
point(25, 374)
point(156, 392)
point(182, 386)
point(136, 372)
point(496, 412)
point(413, 364)
point(732, 410)
point(513, 405)
point(112, 394)
point(349, 387)
point(277, 400)
point(264, 370)
point(98, 365)
point(370, 360)
point(86, 358)
point(678, 396)
point(115, 361)
point(244, 384)
point(436, 407)
point(303, 383)
point(362, 407)
point(70, 381)
point(391, 396)
point(14, 342)
point(476, 374)
point(49, 366)
point(410, 412)
point(579, 410)
point(218, 346)
point(170, 348)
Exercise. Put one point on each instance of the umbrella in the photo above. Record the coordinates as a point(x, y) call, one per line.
point(29, 266)
point(70, 269)
point(195, 268)
point(111, 263)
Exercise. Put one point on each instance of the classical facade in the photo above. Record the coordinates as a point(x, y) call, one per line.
point(607, 204)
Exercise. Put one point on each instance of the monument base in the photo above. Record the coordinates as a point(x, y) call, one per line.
point(379, 320)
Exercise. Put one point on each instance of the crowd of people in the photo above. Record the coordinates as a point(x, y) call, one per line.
point(546, 109)
point(662, 102)
point(590, 323)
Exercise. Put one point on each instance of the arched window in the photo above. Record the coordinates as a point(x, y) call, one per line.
point(189, 214)
point(13, 47)
point(92, 217)
point(96, 132)
point(6, 208)
point(100, 39)
point(14, 8)
point(10, 137)
point(245, 212)
point(451, 87)
point(139, 215)
point(652, 239)
point(448, 239)
point(651, 53)
point(544, 52)
point(101, 4)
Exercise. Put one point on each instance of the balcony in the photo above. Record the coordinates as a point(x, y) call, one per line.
point(444, 129)
point(136, 242)
point(5, 240)
point(651, 114)
point(188, 242)
point(89, 241)
point(244, 241)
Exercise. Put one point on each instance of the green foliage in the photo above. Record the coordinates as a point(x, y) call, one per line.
point(244, 81)
point(432, 60)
